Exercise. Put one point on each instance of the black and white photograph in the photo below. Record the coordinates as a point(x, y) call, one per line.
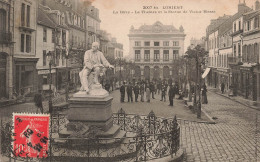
point(129, 80)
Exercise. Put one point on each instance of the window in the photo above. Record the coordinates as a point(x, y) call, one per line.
point(44, 79)
point(137, 43)
point(2, 20)
point(63, 57)
point(239, 50)
point(146, 43)
point(63, 38)
point(235, 27)
point(53, 36)
point(256, 22)
point(58, 58)
point(44, 35)
point(28, 16)
point(248, 25)
point(175, 43)
point(146, 55)
point(175, 54)
point(156, 55)
point(23, 15)
point(239, 25)
point(28, 43)
point(166, 43)
point(22, 42)
point(137, 55)
point(165, 55)
point(156, 43)
point(44, 57)
point(235, 50)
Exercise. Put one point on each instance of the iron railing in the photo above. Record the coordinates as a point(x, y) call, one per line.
point(147, 137)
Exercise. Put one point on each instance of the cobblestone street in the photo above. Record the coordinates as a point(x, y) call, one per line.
point(231, 139)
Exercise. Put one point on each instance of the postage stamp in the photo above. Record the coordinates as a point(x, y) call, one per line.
point(30, 135)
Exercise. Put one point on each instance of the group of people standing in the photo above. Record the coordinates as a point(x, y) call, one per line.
point(148, 90)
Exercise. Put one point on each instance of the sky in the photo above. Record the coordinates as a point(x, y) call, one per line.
point(194, 21)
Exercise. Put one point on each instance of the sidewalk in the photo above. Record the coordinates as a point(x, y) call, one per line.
point(246, 102)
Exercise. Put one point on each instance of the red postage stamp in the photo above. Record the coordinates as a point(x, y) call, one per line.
point(30, 135)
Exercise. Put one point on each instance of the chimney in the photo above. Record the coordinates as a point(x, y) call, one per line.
point(241, 6)
point(257, 5)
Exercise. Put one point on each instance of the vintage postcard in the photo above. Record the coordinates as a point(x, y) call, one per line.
point(129, 80)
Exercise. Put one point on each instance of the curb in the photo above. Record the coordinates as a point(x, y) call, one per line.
point(178, 157)
point(255, 108)
point(205, 122)
point(210, 118)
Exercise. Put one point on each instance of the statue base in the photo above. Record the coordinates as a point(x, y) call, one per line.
point(91, 116)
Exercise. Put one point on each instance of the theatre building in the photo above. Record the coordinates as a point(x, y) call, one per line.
point(153, 48)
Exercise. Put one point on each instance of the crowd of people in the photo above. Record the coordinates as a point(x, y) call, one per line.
point(147, 90)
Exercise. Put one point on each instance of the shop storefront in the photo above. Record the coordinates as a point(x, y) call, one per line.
point(249, 82)
point(3, 74)
point(44, 79)
point(25, 75)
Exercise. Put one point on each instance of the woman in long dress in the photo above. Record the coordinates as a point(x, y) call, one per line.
point(204, 94)
point(148, 97)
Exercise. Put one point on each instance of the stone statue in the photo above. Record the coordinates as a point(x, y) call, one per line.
point(94, 63)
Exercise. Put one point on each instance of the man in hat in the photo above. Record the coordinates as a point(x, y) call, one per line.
point(136, 91)
point(129, 91)
point(122, 92)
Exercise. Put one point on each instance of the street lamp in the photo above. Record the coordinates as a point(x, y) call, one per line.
point(50, 59)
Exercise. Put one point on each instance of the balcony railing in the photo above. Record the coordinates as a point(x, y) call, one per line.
point(5, 37)
point(91, 29)
point(156, 60)
point(146, 60)
point(234, 60)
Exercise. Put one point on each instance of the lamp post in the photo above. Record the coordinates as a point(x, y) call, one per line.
point(50, 59)
point(50, 55)
point(120, 74)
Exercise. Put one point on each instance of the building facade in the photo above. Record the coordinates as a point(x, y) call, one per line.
point(234, 59)
point(249, 70)
point(6, 48)
point(221, 47)
point(153, 48)
point(24, 58)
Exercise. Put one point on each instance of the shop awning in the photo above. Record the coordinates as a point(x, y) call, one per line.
point(205, 72)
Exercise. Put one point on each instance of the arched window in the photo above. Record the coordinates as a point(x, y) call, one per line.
point(156, 72)
point(2, 20)
point(166, 72)
point(147, 72)
point(137, 73)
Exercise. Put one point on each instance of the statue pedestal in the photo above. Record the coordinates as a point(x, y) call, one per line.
point(91, 113)
point(90, 109)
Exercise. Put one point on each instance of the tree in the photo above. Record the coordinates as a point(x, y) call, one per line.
point(196, 56)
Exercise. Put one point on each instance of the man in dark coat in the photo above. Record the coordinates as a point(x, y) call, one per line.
point(107, 86)
point(159, 86)
point(129, 91)
point(122, 92)
point(38, 101)
point(152, 88)
point(142, 92)
point(171, 94)
point(222, 87)
point(164, 89)
point(136, 91)
point(204, 94)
